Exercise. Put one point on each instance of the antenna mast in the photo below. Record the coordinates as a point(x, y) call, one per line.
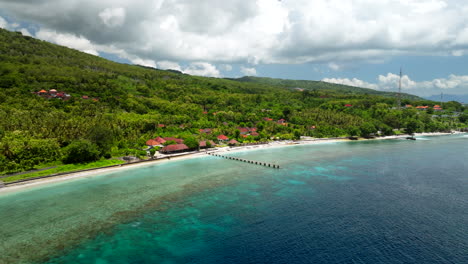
point(399, 93)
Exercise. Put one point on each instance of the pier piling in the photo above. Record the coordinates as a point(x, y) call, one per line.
point(265, 164)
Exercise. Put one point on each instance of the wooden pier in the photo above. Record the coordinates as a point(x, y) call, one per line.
point(259, 163)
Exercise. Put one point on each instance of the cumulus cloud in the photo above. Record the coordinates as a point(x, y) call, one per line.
point(226, 67)
point(113, 17)
point(334, 66)
point(202, 69)
point(351, 82)
point(3, 23)
point(25, 32)
point(260, 31)
point(248, 71)
point(169, 65)
point(143, 62)
point(453, 84)
point(69, 40)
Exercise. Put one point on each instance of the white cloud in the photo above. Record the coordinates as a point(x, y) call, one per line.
point(69, 40)
point(453, 84)
point(334, 66)
point(169, 65)
point(351, 82)
point(226, 67)
point(25, 32)
point(113, 17)
point(202, 69)
point(143, 62)
point(3, 23)
point(248, 71)
point(260, 31)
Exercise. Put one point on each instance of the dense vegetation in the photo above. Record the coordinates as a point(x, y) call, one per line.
point(130, 104)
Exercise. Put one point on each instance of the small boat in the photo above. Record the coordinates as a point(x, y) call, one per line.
point(411, 138)
point(353, 138)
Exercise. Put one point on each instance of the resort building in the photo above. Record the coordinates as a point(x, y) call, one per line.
point(222, 138)
point(203, 144)
point(174, 148)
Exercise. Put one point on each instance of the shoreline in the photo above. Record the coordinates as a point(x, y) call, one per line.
point(168, 158)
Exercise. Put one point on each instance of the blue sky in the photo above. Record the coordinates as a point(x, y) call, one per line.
point(354, 42)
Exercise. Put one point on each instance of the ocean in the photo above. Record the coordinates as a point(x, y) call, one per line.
point(380, 201)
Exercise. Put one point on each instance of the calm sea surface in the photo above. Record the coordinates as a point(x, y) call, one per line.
point(387, 201)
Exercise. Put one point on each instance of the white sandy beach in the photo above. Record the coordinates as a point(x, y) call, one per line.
point(274, 144)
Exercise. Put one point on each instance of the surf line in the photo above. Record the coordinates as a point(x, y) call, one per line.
point(265, 164)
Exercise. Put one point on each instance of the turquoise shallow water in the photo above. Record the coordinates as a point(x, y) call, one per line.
point(389, 201)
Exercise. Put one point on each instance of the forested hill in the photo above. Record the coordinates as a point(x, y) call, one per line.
point(325, 86)
point(56, 102)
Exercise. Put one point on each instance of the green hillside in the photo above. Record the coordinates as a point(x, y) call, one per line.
point(92, 108)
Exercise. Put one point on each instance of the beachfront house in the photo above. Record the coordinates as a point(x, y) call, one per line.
point(222, 138)
point(203, 144)
point(152, 143)
point(159, 141)
point(177, 148)
point(233, 142)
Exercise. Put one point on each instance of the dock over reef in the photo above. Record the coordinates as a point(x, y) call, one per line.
point(265, 164)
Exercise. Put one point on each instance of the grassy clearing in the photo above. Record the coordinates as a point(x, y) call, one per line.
point(64, 168)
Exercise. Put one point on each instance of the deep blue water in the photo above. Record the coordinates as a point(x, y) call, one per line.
point(392, 201)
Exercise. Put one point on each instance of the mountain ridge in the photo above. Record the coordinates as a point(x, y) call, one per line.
point(320, 85)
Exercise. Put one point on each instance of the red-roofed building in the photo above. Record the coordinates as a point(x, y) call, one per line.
point(408, 106)
point(268, 119)
point(155, 142)
point(202, 144)
point(161, 125)
point(233, 142)
point(222, 138)
point(243, 130)
point(42, 91)
point(254, 134)
point(348, 105)
point(437, 108)
point(174, 148)
point(160, 140)
point(205, 131)
point(152, 142)
point(422, 107)
point(84, 97)
point(281, 121)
